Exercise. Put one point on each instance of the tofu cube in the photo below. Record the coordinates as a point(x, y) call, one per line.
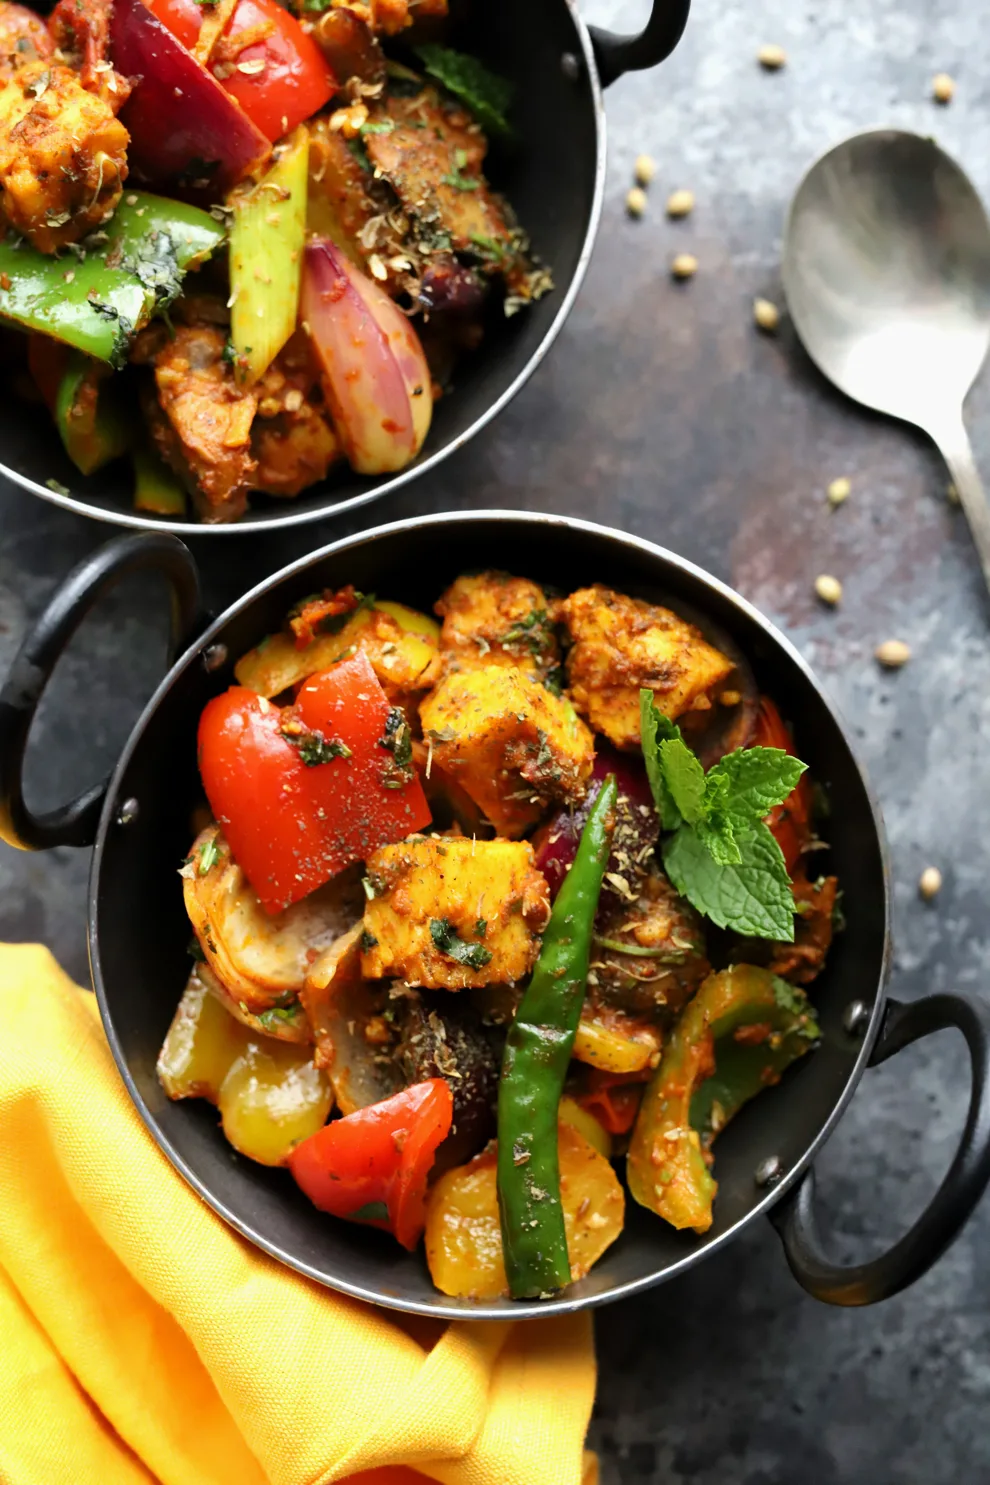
point(448, 913)
point(490, 618)
point(509, 742)
point(621, 644)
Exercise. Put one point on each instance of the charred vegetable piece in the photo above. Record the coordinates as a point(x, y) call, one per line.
point(441, 1036)
point(636, 830)
point(463, 1238)
point(742, 1030)
point(447, 913)
point(270, 1095)
point(375, 377)
point(621, 644)
point(649, 953)
point(509, 742)
point(96, 302)
point(612, 1098)
point(373, 1166)
point(302, 792)
point(537, 1051)
point(262, 960)
point(184, 126)
point(266, 248)
point(350, 47)
point(263, 58)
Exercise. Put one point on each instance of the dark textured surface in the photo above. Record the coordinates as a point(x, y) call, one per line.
point(664, 412)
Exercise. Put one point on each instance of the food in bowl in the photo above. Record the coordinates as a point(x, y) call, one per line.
point(318, 247)
point(482, 907)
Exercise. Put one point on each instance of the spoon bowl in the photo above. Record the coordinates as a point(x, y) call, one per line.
point(887, 275)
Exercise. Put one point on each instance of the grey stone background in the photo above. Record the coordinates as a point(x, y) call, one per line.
point(662, 411)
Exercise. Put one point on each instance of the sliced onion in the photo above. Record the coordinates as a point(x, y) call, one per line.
point(375, 376)
point(181, 121)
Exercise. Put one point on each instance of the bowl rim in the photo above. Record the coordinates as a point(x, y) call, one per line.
point(445, 1308)
point(247, 523)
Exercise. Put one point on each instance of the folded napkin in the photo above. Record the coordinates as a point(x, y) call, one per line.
point(142, 1340)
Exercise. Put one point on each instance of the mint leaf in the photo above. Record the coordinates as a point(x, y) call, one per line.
point(685, 778)
point(486, 94)
point(720, 841)
point(655, 728)
point(758, 779)
point(753, 897)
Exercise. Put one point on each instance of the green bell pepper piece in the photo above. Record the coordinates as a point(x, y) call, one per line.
point(157, 490)
point(96, 299)
point(89, 415)
point(737, 1036)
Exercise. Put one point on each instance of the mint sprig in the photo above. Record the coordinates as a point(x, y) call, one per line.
point(717, 850)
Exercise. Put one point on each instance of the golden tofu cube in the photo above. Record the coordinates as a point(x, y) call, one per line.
point(490, 618)
point(509, 742)
point(621, 644)
point(448, 913)
point(63, 156)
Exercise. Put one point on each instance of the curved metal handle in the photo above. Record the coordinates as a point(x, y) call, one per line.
point(75, 823)
point(794, 1215)
point(615, 55)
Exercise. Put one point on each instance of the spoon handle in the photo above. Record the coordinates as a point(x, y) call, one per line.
point(953, 441)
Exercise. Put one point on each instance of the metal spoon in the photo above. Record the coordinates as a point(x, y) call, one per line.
point(887, 275)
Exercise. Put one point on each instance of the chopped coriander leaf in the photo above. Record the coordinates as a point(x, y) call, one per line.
point(446, 939)
point(209, 855)
point(313, 747)
point(279, 1015)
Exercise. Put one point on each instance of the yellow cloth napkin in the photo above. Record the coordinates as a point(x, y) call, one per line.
point(142, 1340)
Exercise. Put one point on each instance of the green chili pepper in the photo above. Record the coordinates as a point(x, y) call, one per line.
point(737, 1036)
point(537, 1052)
point(96, 298)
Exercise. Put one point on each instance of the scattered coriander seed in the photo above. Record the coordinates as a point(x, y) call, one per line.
point(685, 265)
point(930, 883)
point(893, 653)
point(943, 88)
point(644, 169)
point(952, 494)
point(730, 698)
point(839, 490)
point(680, 203)
point(636, 201)
point(766, 315)
point(828, 589)
point(771, 57)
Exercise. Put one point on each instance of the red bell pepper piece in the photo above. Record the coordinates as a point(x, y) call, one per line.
point(789, 823)
point(295, 80)
point(373, 1165)
point(181, 121)
point(614, 1098)
point(303, 791)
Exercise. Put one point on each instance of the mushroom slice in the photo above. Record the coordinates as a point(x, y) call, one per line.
point(261, 959)
point(352, 1035)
